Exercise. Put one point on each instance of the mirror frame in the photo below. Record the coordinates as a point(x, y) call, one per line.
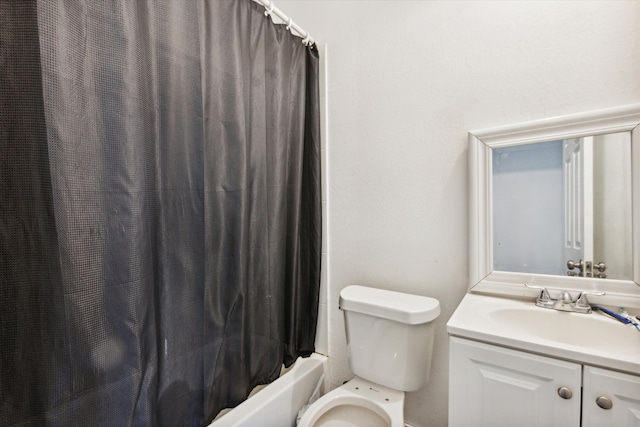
point(482, 277)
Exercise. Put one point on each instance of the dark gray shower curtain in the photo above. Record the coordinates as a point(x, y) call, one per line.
point(159, 209)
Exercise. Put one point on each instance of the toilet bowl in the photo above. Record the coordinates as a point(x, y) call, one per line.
point(390, 346)
point(357, 403)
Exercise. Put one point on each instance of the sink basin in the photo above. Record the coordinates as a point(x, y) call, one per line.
point(567, 328)
point(593, 339)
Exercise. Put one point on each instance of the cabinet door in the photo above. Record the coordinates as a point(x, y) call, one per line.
point(494, 386)
point(604, 386)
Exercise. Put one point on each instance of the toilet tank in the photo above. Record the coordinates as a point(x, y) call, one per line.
point(389, 335)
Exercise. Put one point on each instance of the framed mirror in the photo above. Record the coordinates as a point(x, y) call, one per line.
point(556, 203)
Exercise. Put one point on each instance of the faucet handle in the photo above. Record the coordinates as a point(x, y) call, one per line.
point(544, 299)
point(544, 293)
point(582, 304)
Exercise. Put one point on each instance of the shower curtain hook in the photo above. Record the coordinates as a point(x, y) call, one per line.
point(306, 39)
point(289, 24)
point(268, 10)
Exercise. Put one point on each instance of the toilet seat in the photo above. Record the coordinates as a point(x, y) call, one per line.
point(356, 403)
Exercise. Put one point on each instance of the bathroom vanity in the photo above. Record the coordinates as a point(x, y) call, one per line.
point(555, 204)
point(514, 364)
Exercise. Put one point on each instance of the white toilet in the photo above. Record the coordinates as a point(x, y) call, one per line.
point(390, 343)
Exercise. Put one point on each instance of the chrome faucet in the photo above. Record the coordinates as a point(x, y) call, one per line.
point(565, 301)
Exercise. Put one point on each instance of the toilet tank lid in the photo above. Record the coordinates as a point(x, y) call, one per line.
point(401, 307)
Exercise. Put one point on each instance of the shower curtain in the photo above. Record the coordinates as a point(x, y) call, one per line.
point(159, 209)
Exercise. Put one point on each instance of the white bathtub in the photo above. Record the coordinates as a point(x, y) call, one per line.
point(277, 404)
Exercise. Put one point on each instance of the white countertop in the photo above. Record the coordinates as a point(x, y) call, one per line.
point(591, 339)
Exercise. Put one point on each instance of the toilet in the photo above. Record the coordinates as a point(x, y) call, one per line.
point(390, 344)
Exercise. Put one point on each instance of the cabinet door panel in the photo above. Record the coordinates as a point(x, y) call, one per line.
point(622, 390)
point(494, 386)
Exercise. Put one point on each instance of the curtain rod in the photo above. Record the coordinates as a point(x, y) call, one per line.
point(270, 8)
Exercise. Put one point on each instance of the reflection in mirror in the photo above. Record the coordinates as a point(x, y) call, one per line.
point(564, 207)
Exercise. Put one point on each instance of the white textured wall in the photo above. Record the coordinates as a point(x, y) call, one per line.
point(406, 81)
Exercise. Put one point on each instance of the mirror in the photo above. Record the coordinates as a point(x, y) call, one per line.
point(556, 202)
point(564, 207)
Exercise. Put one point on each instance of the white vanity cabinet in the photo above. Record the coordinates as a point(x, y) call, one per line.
point(496, 386)
point(618, 392)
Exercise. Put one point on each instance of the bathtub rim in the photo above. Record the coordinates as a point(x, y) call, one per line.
point(304, 373)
